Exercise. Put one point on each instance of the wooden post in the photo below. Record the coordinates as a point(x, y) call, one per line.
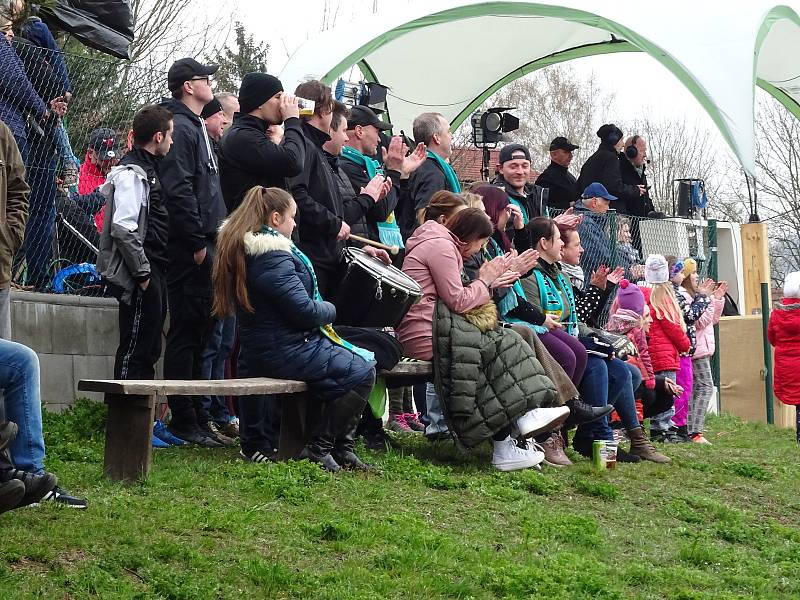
point(300, 414)
point(755, 261)
point(128, 430)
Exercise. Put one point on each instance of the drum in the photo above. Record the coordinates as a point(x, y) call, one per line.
point(373, 294)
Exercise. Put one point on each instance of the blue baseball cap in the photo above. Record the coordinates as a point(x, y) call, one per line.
point(597, 190)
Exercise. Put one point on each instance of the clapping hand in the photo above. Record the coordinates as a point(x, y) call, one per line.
point(378, 187)
point(569, 219)
point(522, 263)
point(616, 275)
point(721, 290)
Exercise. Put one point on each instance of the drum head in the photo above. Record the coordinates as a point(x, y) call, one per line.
point(382, 271)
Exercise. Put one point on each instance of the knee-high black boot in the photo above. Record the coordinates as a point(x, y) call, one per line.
point(348, 412)
point(319, 447)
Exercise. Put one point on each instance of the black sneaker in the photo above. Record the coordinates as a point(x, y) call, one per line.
point(258, 456)
point(36, 486)
point(194, 435)
point(211, 430)
point(11, 493)
point(64, 498)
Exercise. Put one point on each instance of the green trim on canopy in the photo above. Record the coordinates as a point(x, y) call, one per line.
point(553, 59)
point(781, 96)
point(557, 12)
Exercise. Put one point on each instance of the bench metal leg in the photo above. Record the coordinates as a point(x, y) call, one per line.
point(300, 414)
point(128, 430)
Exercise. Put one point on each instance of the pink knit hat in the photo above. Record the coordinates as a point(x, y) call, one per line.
point(630, 297)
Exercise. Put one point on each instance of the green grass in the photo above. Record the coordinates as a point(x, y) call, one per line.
point(721, 522)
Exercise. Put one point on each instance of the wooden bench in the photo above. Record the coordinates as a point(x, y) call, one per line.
point(131, 411)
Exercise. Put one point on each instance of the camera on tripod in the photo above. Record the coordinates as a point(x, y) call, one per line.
point(488, 128)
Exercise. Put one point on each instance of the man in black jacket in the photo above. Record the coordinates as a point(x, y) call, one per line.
point(248, 157)
point(190, 181)
point(603, 167)
point(632, 164)
point(515, 171)
point(363, 142)
point(435, 174)
point(321, 228)
point(561, 184)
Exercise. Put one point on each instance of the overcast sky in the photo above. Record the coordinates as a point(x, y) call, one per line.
point(640, 84)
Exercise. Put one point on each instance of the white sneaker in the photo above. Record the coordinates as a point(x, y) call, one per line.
point(507, 456)
point(539, 420)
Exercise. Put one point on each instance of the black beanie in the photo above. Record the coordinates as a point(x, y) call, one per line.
point(211, 108)
point(610, 133)
point(256, 89)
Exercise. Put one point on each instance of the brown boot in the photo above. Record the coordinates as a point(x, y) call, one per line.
point(641, 447)
point(554, 454)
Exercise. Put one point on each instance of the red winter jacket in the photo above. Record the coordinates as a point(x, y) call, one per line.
point(784, 334)
point(666, 340)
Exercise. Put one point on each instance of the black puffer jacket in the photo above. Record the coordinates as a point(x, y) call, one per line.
point(603, 167)
point(319, 203)
point(485, 376)
point(248, 158)
point(190, 182)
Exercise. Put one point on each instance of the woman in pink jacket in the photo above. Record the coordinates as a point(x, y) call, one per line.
point(434, 258)
point(703, 383)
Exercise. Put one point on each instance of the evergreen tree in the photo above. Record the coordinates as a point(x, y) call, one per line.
point(246, 56)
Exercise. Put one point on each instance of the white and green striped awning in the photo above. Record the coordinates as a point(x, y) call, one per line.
point(448, 57)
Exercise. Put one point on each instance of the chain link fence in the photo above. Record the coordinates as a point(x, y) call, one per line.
point(67, 156)
point(615, 240)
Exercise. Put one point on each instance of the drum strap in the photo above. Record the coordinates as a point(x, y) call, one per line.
point(388, 230)
point(327, 329)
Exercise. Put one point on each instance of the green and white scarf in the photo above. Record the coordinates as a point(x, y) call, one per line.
point(327, 329)
point(388, 231)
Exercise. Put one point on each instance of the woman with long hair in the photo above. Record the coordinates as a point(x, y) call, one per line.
point(607, 381)
point(284, 325)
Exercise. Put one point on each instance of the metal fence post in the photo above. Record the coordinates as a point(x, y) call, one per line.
point(713, 272)
point(612, 237)
point(767, 353)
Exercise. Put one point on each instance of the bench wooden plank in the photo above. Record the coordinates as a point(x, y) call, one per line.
point(228, 387)
point(232, 387)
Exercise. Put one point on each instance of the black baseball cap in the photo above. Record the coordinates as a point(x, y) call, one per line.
point(562, 143)
point(514, 151)
point(185, 69)
point(104, 142)
point(363, 115)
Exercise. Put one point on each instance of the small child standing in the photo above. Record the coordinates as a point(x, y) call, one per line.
point(627, 318)
point(668, 338)
point(703, 383)
point(784, 335)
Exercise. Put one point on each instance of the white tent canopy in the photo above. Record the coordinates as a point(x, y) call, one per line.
point(448, 57)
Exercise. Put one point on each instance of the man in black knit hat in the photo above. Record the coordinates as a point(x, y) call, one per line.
point(249, 157)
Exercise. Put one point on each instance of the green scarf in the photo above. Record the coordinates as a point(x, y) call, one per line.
point(511, 300)
point(388, 231)
point(552, 301)
point(326, 330)
point(450, 175)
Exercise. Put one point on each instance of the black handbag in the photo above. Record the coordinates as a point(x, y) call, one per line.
point(387, 349)
point(620, 345)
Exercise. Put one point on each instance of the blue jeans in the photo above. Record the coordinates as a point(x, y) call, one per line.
point(607, 382)
point(220, 343)
point(19, 380)
point(38, 244)
point(663, 421)
point(436, 423)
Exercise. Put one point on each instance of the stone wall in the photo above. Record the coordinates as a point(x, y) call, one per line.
point(75, 337)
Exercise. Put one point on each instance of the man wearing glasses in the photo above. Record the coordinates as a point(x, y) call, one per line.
point(192, 195)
